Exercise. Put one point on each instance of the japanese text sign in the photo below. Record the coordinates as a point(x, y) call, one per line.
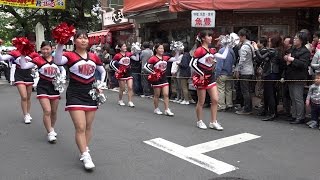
point(114, 17)
point(50, 4)
point(203, 19)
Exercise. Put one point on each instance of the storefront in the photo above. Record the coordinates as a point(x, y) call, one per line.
point(262, 18)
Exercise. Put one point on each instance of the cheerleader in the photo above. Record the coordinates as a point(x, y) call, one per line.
point(157, 66)
point(48, 97)
point(81, 107)
point(122, 60)
point(23, 80)
point(203, 65)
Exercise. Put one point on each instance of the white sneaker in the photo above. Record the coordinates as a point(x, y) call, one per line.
point(27, 119)
point(130, 104)
point(29, 116)
point(215, 126)
point(87, 148)
point(157, 111)
point(184, 102)
point(121, 103)
point(168, 112)
point(51, 137)
point(179, 101)
point(53, 132)
point(201, 125)
point(87, 161)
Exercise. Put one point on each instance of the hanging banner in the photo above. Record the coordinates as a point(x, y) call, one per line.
point(203, 19)
point(49, 4)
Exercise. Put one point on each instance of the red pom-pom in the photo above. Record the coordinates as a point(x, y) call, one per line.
point(63, 32)
point(198, 82)
point(23, 45)
point(155, 76)
point(122, 70)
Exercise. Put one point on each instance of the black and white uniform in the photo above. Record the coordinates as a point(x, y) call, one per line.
point(202, 64)
point(47, 71)
point(81, 78)
point(154, 64)
point(123, 60)
point(21, 76)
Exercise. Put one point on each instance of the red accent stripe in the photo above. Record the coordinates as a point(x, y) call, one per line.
point(45, 77)
point(160, 85)
point(24, 83)
point(208, 87)
point(80, 108)
point(53, 97)
point(84, 81)
point(124, 79)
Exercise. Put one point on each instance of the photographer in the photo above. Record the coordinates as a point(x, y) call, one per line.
point(270, 71)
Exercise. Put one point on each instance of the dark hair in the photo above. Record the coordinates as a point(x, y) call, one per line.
point(244, 32)
point(156, 47)
point(119, 45)
point(45, 43)
point(79, 33)
point(203, 34)
point(166, 47)
point(186, 47)
point(264, 41)
point(146, 45)
point(317, 33)
point(303, 37)
point(276, 41)
point(290, 37)
point(307, 32)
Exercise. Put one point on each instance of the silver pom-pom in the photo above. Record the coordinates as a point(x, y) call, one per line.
point(95, 94)
point(34, 73)
point(229, 40)
point(59, 82)
point(136, 47)
point(176, 46)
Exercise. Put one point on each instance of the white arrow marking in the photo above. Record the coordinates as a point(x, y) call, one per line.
point(194, 154)
point(223, 142)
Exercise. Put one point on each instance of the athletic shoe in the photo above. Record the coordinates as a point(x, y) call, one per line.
point(215, 126)
point(184, 102)
point(157, 111)
point(168, 112)
point(87, 161)
point(201, 125)
point(51, 137)
point(121, 103)
point(130, 104)
point(27, 119)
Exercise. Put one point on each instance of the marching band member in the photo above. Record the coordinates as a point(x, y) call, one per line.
point(123, 72)
point(23, 80)
point(203, 77)
point(81, 106)
point(46, 93)
point(157, 66)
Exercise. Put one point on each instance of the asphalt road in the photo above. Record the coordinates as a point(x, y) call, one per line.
point(283, 151)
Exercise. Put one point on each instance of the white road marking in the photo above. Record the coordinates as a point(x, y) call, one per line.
point(223, 142)
point(201, 160)
point(194, 154)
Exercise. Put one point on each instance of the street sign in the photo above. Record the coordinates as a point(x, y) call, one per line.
point(203, 19)
point(195, 154)
point(114, 17)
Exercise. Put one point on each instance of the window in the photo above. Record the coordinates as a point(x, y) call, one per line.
point(116, 4)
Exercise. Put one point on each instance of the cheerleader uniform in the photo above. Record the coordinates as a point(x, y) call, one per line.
point(155, 64)
point(81, 79)
point(122, 60)
point(202, 64)
point(47, 71)
point(21, 76)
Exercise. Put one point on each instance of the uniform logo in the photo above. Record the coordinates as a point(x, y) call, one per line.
point(125, 61)
point(209, 60)
point(162, 65)
point(86, 69)
point(50, 71)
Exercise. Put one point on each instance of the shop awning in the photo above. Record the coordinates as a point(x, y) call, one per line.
point(184, 5)
point(131, 6)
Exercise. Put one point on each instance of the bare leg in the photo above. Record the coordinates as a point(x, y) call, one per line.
point(79, 121)
point(201, 99)
point(214, 97)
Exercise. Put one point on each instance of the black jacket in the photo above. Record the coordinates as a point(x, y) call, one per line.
point(298, 69)
point(270, 61)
